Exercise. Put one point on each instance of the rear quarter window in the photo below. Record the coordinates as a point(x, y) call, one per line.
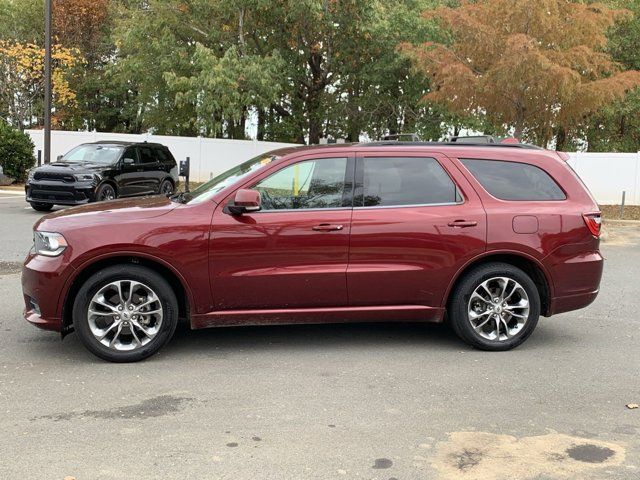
point(514, 181)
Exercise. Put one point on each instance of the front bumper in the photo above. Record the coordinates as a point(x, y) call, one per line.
point(43, 281)
point(60, 193)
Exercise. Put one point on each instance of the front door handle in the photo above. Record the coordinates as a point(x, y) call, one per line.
point(327, 227)
point(462, 223)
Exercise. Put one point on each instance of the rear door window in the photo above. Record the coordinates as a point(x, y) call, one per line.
point(146, 155)
point(397, 181)
point(514, 181)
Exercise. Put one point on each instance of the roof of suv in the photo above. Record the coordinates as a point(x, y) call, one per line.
point(123, 143)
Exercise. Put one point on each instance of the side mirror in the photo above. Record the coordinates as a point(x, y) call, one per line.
point(58, 157)
point(127, 161)
point(245, 201)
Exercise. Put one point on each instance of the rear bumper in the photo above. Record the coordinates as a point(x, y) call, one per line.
point(572, 302)
point(43, 281)
point(576, 281)
point(60, 193)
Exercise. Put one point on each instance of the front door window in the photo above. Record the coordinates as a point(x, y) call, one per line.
point(310, 184)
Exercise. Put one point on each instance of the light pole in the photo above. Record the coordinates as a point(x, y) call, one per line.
point(47, 80)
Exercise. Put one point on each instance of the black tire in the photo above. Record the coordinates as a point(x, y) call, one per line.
point(166, 187)
point(459, 305)
point(126, 272)
point(106, 192)
point(41, 207)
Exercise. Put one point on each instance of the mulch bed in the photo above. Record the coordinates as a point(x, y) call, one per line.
point(612, 212)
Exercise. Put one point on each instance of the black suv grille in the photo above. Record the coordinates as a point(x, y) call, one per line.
point(62, 177)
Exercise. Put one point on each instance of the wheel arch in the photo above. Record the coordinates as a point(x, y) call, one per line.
point(175, 280)
point(528, 264)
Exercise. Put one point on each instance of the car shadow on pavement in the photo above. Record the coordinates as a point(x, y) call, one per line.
point(293, 338)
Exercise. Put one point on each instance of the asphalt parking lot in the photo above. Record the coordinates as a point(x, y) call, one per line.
point(381, 402)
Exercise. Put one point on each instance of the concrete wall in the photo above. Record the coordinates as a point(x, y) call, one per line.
point(209, 156)
point(606, 174)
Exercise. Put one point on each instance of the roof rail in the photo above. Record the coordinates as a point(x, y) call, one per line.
point(450, 144)
point(412, 137)
point(473, 139)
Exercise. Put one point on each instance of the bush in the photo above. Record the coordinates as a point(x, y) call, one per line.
point(16, 152)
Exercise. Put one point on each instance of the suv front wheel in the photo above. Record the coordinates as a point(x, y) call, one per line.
point(125, 313)
point(41, 207)
point(495, 306)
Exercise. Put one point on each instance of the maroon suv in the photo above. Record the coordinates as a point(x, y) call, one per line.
point(490, 237)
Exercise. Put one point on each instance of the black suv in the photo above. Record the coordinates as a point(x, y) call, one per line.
point(102, 171)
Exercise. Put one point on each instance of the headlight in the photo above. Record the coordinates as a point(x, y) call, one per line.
point(49, 244)
point(31, 173)
point(84, 177)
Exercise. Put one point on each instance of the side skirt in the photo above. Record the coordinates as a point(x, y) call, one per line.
point(384, 313)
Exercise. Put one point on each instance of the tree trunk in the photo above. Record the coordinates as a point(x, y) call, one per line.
point(561, 139)
point(261, 125)
point(315, 124)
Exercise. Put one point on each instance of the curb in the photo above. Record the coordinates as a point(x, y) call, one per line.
point(11, 192)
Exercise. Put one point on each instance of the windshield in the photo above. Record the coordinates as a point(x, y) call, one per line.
point(207, 190)
point(101, 154)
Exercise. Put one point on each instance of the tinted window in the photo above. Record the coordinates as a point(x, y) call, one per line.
point(146, 155)
point(405, 181)
point(311, 184)
point(514, 181)
point(160, 154)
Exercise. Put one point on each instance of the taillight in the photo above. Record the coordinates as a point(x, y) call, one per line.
point(594, 222)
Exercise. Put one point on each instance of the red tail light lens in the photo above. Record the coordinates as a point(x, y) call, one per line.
point(594, 222)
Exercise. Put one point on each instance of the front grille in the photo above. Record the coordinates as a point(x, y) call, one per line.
point(62, 177)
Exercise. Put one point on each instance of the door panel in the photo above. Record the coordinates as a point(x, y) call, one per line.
point(407, 255)
point(278, 259)
point(294, 253)
point(150, 177)
point(127, 177)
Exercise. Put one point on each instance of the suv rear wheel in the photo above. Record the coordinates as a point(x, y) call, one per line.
point(495, 306)
point(166, 187)
point(125, 313)
point(41, 207)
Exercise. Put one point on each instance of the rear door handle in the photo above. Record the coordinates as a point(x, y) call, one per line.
point(462, 223)
point(327, 227)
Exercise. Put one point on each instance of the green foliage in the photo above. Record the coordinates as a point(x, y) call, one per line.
point(616, 127)
point(299, 69)
point(16, 152)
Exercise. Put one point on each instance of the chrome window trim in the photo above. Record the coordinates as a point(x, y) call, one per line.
point(284, 210)
point(444, 204)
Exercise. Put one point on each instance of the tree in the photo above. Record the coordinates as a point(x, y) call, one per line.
point(22, 74)
point(537, 67)
point(616, 127)
point(80, 24)
point(16, 152)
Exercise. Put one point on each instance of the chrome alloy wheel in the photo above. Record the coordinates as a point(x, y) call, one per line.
point(498, 309)
point(125, 315)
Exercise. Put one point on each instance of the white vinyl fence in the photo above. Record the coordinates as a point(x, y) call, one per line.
point(209, 156)
point(606, 174)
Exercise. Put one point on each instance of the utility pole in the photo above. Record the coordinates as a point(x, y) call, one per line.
point(47, 80)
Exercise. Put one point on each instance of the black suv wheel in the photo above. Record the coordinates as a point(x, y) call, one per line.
point(105, 192)
point(41, 207)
